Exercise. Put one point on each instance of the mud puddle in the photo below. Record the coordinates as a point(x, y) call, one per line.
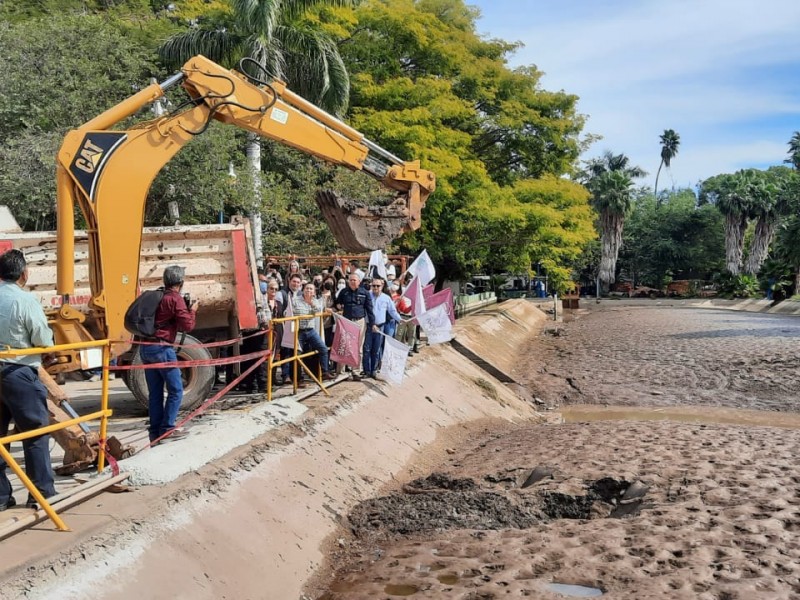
point(584, 413)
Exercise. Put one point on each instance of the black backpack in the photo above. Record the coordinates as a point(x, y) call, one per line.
point(140, 318)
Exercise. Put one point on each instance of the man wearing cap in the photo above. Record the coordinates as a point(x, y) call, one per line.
point(172, 316)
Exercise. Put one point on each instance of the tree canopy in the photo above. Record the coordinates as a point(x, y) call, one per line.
point(423, 84)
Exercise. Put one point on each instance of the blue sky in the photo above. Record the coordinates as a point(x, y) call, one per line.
point(724, 74)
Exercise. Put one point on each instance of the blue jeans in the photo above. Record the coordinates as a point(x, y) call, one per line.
point(373, 349)
point(162, 414)
point(390, 328)
point(310, 340)
point(24, 398)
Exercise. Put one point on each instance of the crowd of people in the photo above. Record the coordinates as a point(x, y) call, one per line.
point(367, 298)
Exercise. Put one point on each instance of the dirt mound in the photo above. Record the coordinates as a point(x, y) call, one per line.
point(441, 502)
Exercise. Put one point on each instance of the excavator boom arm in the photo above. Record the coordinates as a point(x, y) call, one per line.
point(108, 173)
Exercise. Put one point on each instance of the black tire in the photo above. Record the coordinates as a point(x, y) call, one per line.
point(197, 381)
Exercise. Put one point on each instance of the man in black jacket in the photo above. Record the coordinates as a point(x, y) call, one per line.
point(355, 304)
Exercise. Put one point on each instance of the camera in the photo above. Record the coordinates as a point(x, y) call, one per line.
point(188, 299)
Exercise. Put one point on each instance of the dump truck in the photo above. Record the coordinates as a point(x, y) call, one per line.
point(220, 273)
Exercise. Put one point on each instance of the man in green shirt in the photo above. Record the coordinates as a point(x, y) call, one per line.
point(23, 397)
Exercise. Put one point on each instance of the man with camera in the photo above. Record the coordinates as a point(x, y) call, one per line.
point(175, 313)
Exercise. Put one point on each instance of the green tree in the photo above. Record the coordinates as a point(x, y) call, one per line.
point(729, 193)
point(670, 141)
point(768, 196)
point(611, 193)
point(794, 151)
point(675, 237)
point(609, 178)
point(426, 86)
point(275, 35)
point(52, 82)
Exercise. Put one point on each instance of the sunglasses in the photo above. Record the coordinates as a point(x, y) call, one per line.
point(376, 286)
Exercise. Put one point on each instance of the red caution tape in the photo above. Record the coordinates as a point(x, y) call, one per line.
point(182, 364)
point(112, 462)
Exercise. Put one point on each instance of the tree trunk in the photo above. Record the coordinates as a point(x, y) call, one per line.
point(759, 247)
point(797, 280)
point(253, 150)
point(611, 241)
point(735, 226)
point(655, 191)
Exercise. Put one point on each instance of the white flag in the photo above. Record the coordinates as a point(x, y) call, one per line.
point(393, 363)
point(376, 260)
point(423, 268)
point(288, 326)
point(436, 324)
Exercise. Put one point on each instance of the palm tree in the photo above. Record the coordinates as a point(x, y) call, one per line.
point(612, 192)
point(669, 148)
point(769, 199)
point(272, 33)
point(730, 195)
point(610, 162)
point(610, 181)
point(794, 151)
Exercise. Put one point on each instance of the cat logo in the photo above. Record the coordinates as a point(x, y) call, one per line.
point(93, 155)
point(89, 157)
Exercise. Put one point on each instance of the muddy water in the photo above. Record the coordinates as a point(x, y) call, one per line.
point(682, 414)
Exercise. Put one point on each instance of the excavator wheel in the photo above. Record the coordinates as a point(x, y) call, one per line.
point(358, 227)
point(197, 381)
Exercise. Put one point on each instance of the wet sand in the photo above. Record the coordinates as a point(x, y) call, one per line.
point(703, 504)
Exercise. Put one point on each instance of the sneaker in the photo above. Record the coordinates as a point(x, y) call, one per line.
point(175, 434)
point(328, 377)
point(355, 376)
point(11, 503)
point(95, 378)
point(287, 381)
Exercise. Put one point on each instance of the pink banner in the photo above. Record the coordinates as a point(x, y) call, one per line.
point(427, 292)
point(414, 293)
point(346, 341)
point(444, 297)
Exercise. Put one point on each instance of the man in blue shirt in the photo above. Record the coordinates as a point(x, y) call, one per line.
point(24, 398)
point(383, 310)
point(356, 305)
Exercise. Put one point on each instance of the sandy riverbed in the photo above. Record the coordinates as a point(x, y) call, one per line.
point(636, 509)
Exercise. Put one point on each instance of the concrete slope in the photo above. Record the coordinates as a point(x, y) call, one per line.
point(254, 524)
point(497, 333)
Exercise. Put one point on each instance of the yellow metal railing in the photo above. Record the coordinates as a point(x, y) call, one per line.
point(102, 414)
point(295, 359)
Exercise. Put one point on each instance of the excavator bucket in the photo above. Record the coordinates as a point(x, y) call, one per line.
point(80, 446)
point(358, 227)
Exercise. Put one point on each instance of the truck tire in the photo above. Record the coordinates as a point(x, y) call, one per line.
point(197, 381)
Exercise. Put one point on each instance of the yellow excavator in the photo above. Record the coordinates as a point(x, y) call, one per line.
point(108, 173)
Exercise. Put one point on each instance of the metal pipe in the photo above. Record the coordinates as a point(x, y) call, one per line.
point(384, 153)
point(171, 81)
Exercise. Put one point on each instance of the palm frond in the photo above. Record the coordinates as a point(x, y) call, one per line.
point(219, 45)
point(259, 17)
point(313, 68)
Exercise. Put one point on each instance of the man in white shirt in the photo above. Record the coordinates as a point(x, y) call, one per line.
point(383, 309)
point(24, 399)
